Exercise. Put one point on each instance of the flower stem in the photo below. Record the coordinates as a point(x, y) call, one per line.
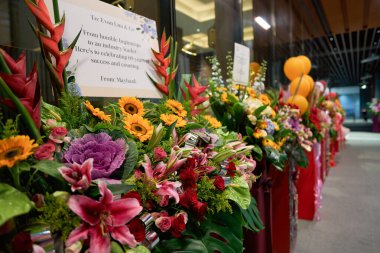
point(3, 64)
point(20, 107)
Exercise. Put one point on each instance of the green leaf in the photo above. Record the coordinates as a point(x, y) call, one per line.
point(169, 131)
point(192, 126)
point(249, 131)
point(116, 248)
point(258, 152)
point(13, 203)
point(131, 159)
point(138, 249)
point(252, 218)
point(221, 232)
point(50, 168)
point(120, 188)
point(259, 110)
point(238, 191)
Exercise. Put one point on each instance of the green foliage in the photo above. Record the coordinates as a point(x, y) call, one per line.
point(71, 105)
point(130, 159)
point(58, 216)
point(13, 203)
point(10, 128)
point(238, 191)
point(252, 218)
point(217, 201)
point(50, 168)
point(218, 233)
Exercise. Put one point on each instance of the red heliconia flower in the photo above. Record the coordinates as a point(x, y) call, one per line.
point(162, 64)
point(103, 219)
point(195, 92)
point(26, 88)
point(50, 43)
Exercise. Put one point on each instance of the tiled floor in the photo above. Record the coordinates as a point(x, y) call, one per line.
point(350, 213)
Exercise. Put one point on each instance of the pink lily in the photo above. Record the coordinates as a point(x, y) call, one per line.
point(79, 176)
point(167, 190)
point(102, 219)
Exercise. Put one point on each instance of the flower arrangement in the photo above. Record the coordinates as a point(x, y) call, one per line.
point(248, 110)
point(374, 107)
point(129, 176)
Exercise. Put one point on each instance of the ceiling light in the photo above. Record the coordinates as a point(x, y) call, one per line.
point(198, 30)
point(264, 24)
point(364, 86)
point(189, 49)
point(367, 76)
point(331, 38)
point(372, 58)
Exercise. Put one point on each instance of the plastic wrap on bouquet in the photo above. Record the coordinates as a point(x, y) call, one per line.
point(284, 205)
point(309, 186)
point(323, 160)
point(261, 242)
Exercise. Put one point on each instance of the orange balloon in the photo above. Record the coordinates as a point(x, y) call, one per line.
point(293, 68)
point(310, 80)
point(299, 101)
point(306, 63)
point(304, 86)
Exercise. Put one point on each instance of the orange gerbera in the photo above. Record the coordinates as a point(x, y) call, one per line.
point(270, 143)
point(213, 121)
point(251, 92)
point(138, 126)
point(131, 105)
point(224, 97)
point(97, 112)
point(259, 133)
point(264, 99)
point(176, 107)
point(14, 149)
point(169, 119)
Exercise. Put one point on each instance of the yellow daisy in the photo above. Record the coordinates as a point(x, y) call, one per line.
point(251, 92)
point(213, 121)
point(259, 133)
point(264, 99)
point(97, 112)
point(131, 105)
point(270, 143)
point(224, 97)
point(138, 126)
point(169, 119)
point(276, 127)
point(14, 149)
point(176, 107)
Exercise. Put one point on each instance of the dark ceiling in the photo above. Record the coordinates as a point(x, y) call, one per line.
point(336, 34)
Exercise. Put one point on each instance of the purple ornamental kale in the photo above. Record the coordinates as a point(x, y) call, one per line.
point(108, 155)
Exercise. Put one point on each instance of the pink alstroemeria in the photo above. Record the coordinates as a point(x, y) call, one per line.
point(102, 219)
point(167, 190)
point(79, 176)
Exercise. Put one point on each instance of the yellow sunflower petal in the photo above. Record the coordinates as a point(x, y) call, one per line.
point(176, 107)
point(138, 126)
point(213, 121)
point(131, 105)
point(15, 149)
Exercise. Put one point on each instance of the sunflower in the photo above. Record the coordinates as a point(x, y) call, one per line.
point(176, 107)
point(169, 119)
point(213, 121)
point(97, 112)
point(264, 99)
point(14, 149)
point(131, 105)
point(138, 126)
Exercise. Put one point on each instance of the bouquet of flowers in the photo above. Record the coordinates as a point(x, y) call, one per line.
point(374, 107)
point(132, 176)
point(249, 111)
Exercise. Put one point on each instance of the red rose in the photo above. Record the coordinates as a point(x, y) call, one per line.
point(163, 223)
point(188, 198)
point(231, 169)
point(178, 225)
point(188, 178)
point(219, 183)
point(58, 134)
point(45, 151)
point(22, 242)
point(159, 154)
point(137, 228)
point(199, 210)
point(133, 194)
